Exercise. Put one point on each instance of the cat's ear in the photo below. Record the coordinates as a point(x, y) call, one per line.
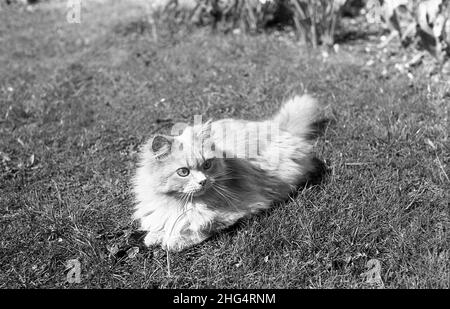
point(161, 146)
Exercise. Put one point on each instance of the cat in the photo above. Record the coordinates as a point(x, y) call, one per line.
point(189, 186)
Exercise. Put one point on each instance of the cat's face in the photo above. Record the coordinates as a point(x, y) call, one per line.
point(194, 177)
point(186, 165)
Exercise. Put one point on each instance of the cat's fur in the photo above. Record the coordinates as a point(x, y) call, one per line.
point(180, 211)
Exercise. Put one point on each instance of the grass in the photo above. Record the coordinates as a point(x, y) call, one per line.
point(77, 100)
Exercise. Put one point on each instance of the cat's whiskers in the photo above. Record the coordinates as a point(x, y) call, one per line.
point(191, 198)
point(186, 198)
point(222, 195)
point(225, 178)
point(222, 173)
point(215, 178)
point(226, 195)
point(228, 192)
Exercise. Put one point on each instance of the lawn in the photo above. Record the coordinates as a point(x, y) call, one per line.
point(77, 101)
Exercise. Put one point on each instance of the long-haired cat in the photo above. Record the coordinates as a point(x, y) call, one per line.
point(189, 186)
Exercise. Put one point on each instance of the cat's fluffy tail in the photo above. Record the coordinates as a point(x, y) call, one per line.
point(297, 115)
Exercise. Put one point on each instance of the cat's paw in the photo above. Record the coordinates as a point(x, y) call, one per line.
point(174, 245)
point(181, 242)
point(152, 239)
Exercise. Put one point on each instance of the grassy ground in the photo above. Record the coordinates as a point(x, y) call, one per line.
point(77, 100)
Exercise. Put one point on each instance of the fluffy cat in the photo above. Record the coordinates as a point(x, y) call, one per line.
point(189, 186)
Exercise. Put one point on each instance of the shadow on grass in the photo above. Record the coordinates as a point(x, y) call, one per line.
point(319, 127)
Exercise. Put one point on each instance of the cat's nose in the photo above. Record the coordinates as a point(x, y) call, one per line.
point(202, 182)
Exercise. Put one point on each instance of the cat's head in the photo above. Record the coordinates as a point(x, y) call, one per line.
point(186, 165)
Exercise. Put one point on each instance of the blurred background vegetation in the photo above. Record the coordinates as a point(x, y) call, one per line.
point(423, 23)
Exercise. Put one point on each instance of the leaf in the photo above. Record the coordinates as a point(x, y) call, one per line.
point(31, 160)
point(132, 252)
point(4, 156)
point(113, 249)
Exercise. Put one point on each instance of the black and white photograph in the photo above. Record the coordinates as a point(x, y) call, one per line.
point(240, 147)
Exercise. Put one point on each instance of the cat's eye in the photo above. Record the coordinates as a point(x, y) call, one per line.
point(183, 171)
point(207, 164)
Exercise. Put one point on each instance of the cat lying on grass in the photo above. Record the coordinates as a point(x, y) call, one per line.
point(189, 186)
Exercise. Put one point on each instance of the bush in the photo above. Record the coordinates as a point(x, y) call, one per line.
point(314, 21)
point(425, 22)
